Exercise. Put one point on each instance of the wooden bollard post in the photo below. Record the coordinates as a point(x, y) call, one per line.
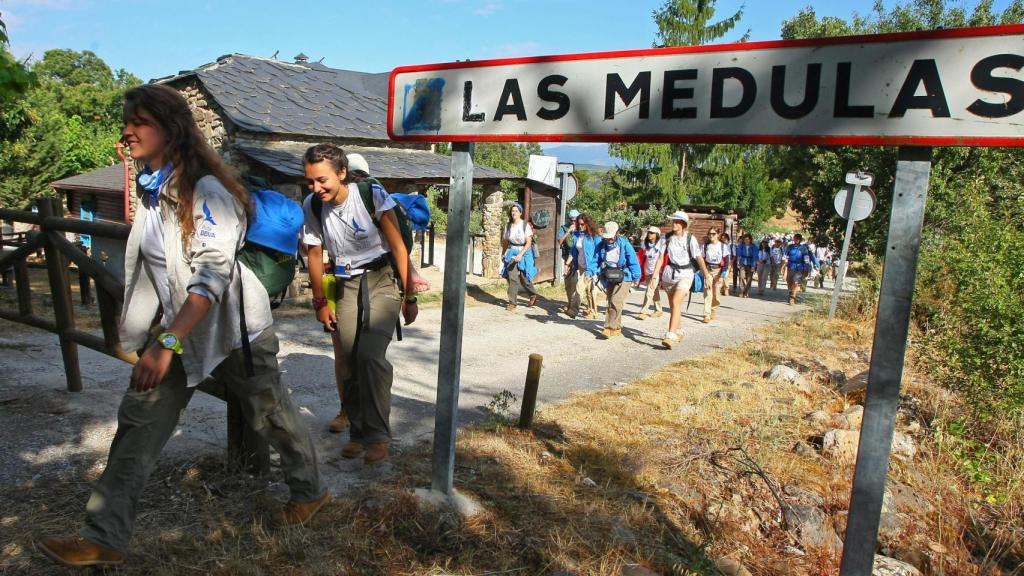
point(530, 394)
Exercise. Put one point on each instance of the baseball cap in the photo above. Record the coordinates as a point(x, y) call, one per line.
point(574, 213)
point(357, 162)
point(680, 215)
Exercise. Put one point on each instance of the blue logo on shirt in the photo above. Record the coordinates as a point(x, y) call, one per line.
point(208, 215)
point(357, 227)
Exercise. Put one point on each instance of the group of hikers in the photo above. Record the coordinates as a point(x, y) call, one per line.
point(196, 308)
point(675, 262)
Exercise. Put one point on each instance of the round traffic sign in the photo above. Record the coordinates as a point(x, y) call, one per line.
point(864, 203)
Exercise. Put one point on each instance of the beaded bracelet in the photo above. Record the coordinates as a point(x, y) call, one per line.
point(319, 302)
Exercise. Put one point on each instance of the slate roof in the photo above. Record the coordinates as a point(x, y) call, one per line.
point(385, 163)
point(109, 179)
point(272, 96)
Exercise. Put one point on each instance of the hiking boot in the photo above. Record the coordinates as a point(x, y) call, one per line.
point(616, 332)
point(78, 551)
point(297, 513)
point(606, 333)
point(657, 313)
point(533, 300)
point(339, 424)
point(670, 340)
point(352, 449)
point(792, 300)
point(642, 316)
point(707, 320)
point(510, 307)
point(376, 452)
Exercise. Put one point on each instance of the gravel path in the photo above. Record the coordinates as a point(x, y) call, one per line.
point(49, 432)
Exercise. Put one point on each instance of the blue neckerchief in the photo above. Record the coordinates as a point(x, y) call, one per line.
point(152, 181)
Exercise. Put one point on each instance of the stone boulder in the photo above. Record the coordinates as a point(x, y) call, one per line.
point(903, 446)
point(885, 566)
point(781, 372)
point(813, 528)
point(841, 445)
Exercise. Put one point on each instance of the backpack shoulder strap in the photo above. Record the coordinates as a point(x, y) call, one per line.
point(366, 195)
point(316, 206)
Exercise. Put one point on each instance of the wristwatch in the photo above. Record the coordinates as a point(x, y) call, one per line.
point(170, 342)
point(410, 299)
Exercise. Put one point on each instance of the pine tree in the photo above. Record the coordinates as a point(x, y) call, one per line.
point(656, 173)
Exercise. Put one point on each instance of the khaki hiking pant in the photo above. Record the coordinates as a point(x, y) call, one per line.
point(746, 274)
point(365, 329)
point(146, 420)
point(763, 270)
point(652, 296)
point(776, 271)
point(516, 282)
point(616, 301)
point(713, 300)
point(577, 287)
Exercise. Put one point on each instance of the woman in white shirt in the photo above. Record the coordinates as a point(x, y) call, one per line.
point(185, 294)
point(764, 265)
point(677, 275)
point(653, 250)
point(518, 265)
point(717, 256)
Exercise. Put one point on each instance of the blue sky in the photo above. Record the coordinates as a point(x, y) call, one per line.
point(154, 38)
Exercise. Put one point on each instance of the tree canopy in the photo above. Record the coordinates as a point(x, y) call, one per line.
point(67, 123)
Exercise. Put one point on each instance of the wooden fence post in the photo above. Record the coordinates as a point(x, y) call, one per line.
point(60, 289)
point(530, 393)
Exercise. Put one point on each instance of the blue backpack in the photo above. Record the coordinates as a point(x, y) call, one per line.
point(272, 241)
point(417, 211)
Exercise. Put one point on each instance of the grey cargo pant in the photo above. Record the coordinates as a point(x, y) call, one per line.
point(365, 331)
point(146, 420)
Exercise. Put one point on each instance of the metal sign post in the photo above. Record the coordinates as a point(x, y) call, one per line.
point(453, 308)
point(564, 170)
point(892, 323)
point(856, 180)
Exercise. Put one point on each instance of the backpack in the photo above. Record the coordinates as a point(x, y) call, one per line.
point(401, 214)
point(271, 242)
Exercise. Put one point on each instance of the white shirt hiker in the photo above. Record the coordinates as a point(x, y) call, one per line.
point(715, 253)
point(352, 239)
point(679, 254)
point(517, 233)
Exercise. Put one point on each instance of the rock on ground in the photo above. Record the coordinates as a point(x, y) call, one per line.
point(885, 566)
point(814, 530)
point(841, 445)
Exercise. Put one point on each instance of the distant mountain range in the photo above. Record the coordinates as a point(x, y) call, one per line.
point(585, 156)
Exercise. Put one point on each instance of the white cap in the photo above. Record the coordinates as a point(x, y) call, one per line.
point(680, 215)
point(610, 230)
point(357, 162)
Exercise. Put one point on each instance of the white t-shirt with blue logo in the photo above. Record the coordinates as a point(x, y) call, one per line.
point(352, 239)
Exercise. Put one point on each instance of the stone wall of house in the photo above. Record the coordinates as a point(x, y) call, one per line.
point(492, 225)
point(206, 113)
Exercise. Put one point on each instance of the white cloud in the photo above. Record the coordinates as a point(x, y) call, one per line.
point(13, 21)
point(487, 8)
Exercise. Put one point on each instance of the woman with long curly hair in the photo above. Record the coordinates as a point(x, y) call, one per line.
point(185, 295)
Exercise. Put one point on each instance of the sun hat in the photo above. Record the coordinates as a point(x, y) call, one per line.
point(680, 215)
point(275, 222)
point(357, 162)
point(574, 214)
point(654, 230)
point(610, 230)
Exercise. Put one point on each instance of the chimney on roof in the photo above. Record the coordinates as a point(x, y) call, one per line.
point(301, 58)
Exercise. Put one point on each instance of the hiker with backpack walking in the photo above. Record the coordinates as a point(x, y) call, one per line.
point(778, 255)
point(764, 265)
point(358, 172)
point(716, 255)
point(186, 300)
point(619, 268)
point(746, 260)
point(652, 256)
point(798, 265)
point(583, 268)
point(518, 264)
point(359, 226)
point(566, 236)
point(683, 261)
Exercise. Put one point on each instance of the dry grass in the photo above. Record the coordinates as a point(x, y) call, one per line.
point(675, 471)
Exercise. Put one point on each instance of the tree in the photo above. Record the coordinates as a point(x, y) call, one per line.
point(15, 77)
point(969, 296)
point(68, 123)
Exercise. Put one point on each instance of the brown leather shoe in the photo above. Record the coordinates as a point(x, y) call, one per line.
point(352, 449)
point(607, 333)
point(339, 424)
point(78, 551)
point(376, 452)
point(510, 307)
point(533, 300)
point(294, 513)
